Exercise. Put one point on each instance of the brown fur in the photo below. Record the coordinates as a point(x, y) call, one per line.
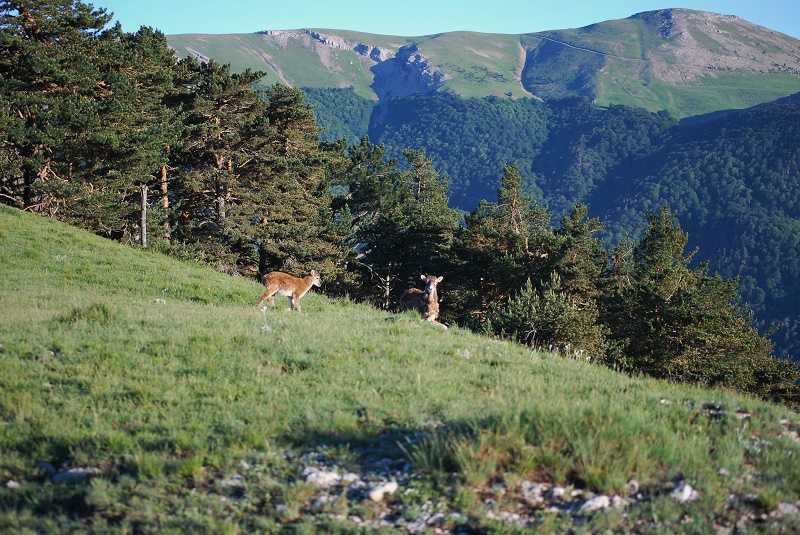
point(294, 288)
point(426, 301)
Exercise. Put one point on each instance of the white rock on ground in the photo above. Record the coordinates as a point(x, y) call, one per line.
point(235, 481)
point(74, 474)
point(631, 487)
point(11, 484)
point(378, 492)
point(597, 503)
point(785, 509)
point(321, 478)
point(532, 492)
point(683, 492)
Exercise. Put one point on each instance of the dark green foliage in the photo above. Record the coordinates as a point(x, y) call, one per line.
point(552, 319)
point(680, 323)
point(401, 224)
point(731, 179)
point(91, 115)
point(340, 113)
point(504, 244)
point(285, 208)
point(563, 149)
point(469, 140)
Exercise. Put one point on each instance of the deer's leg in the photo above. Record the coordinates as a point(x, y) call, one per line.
point(267, 295)
point(296, 303)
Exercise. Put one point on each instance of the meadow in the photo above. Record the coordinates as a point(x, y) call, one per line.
point(162, 382)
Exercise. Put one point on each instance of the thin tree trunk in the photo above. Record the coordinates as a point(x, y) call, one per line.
point(165, 201)
point(221, 209)
point(143, 224)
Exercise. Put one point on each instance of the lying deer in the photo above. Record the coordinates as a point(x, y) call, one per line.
point(284, 284)
point(425, 301)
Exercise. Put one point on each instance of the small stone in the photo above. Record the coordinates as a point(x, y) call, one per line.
point(319, 503)
point(532, 492)
point(349, 477)
point(785, 509)
point(597, 503)
point(74, 475)
point(377, 493)
point(235, 481)
point(499, 489)
point(724, 472)
point(321, 478)
point(557, 493)
point(11, 484)
point(244, 465)
point(683, 492)
point(632, 487)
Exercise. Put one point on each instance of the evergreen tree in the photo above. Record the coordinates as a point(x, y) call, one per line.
point(284, 213)
point(222, 112)
point(402, 224)
point(680, 323)
point(503, 245)
point(83, 105)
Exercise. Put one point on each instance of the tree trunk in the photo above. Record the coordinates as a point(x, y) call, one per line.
point(143, 224)
point(221, 209)
point(165, 201)
point(262, 262)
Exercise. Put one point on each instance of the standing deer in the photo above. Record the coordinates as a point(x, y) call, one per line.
point(284, 284)
point(425, 301)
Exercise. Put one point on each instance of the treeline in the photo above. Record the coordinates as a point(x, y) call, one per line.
point(640, 308)
point(104, 129)
point(731, 178)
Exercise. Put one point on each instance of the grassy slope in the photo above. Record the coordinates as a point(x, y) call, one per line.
point(166, 397)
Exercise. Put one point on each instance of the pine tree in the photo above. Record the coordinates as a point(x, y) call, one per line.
point(52, 95)
point(503, 245)
point(678, 322)
point(284, 213)
point(83, 105)
point(221, 110)
point(402, 226)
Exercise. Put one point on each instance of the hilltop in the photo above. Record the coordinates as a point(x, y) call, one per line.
point(683, 61)
point(140, 393)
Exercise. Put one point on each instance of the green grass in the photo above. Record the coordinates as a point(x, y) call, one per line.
point(163, 376)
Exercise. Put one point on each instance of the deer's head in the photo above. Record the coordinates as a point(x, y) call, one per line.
point(315, 280)
point(430, 282)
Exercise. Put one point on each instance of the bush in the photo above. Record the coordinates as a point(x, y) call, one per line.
point(551, 319)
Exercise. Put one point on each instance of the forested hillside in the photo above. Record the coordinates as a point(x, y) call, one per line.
point(732, 178)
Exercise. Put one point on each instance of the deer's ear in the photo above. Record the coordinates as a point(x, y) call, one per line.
point(439, 279)
point(423, 277)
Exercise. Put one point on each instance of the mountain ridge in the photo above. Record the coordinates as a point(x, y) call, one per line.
point(687, 62)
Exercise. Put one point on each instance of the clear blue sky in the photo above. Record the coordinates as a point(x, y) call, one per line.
point(418, 17)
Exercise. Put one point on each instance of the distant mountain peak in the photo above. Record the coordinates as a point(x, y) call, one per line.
point(685, 61)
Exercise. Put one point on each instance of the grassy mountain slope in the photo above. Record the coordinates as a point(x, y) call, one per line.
point(683, 61)
point(196, 413)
